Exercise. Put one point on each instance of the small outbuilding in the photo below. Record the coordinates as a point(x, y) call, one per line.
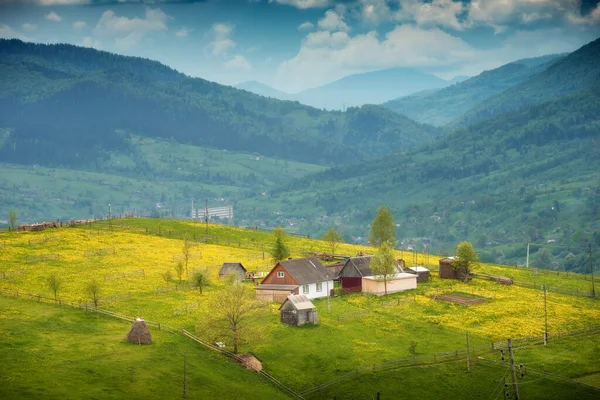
point(231, 267)
point(421, 272)
point(139, 333)
point(298, 310)
point(447, 270)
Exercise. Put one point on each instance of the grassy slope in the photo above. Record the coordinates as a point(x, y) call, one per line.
point(53, 352)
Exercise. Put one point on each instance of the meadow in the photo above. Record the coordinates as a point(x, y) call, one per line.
point(299, 357)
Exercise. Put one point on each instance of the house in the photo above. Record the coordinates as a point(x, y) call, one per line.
point(231, 267)
point(356, 276)
point(305, 276)
point(298, 310)
point(447, 271)
point(334, 269)
point(421, 272)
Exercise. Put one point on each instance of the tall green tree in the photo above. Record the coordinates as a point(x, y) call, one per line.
point(12, 218)
point(280, 250)
point(93, 289)
point(54, 284)
point(382, 228)
point(466, 257)
point(333, 237)
point(384, 264)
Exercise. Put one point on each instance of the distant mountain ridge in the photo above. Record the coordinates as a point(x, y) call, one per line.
point(264, 90)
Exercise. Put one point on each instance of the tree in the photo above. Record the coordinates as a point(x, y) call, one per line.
point(93, 290)
point(384, 265)
point(280, 250)
point(466, 257)
point(333, 237)
point(179, 270)
point(382, 228)
point(201, 279)
point(186, 253)
point(54, 284)
point(12, 218)
point(412, 348)
point(236, 315)
point(167, 275)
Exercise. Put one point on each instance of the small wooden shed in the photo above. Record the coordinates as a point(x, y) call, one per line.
point(298, 310)
point(422, 273)
point(232, 267)
point(447, 270)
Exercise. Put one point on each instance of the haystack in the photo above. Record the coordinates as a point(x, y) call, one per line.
point(250, 362)
point(139, 333)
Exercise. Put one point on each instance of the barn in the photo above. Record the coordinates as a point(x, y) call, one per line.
point(232, 267)
point(356, 276)
point(447, 270)
point(421, 272)
point(298, 310)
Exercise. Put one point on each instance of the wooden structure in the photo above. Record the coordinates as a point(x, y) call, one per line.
point(305, 276)
point(422, 273)
point(356, 276)
point(298, 310)
point(139, 333)
point(232, 268)
point(447, 270)
point(334, 269)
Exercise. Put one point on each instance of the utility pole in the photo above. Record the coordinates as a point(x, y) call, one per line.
point(545, 319)
point(193, 213)
point(184, 375)
point(328, 303)
point(512, 370)
point(468, 354)
point(527, 262)
point(592, 269)
point(206, 218)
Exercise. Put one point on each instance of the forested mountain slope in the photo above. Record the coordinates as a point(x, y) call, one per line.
point(442, 106)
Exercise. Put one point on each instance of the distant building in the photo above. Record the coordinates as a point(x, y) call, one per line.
point(298, 310)
point(422, 273)
point(356, 276)
point(447, 270)
point(228, 268)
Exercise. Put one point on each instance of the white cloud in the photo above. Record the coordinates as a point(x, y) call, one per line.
point(89, 41)
point(28, 27)
point(238, 62)
point(332, 21)
point(306, 26)
point(183, 32)
point(53, 17)
point(62, 2)
point(79, 25)
point(221, 43)
point(134, 29)
point(303, 4)
point(7, 32)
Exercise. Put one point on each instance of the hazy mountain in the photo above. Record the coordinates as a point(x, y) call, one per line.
point(442, 106)
point(369, 88)
point(264, 90)
point(458, 79)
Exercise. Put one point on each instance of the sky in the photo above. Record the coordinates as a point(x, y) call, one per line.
point(293, 45)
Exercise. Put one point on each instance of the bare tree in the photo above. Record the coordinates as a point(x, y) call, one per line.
point(186, 251)
point(201, 279)
point(179, 270)
point(93, 290)
point(54, 284)
point(384, 265)
point(333, 237)
point(235, 315)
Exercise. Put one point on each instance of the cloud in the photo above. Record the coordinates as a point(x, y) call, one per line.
point(238, 62)
point(78, 25)
point(332, 21)
point(28, 27)
point(130, 31)
point(303, 4)
point(221, 43)
point(183, 32)
point(53, 17)
point(7, 32)
point(89, 41)
point(306, 26)
point(62, 2)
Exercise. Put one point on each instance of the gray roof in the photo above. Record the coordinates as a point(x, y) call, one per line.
point(419, 268)
point(306, 270)
point(276, 287)
point(300, 302)
point(362, 265)
point(230, 267)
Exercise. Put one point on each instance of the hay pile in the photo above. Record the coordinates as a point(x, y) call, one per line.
point(250, 362)
point(139, 333)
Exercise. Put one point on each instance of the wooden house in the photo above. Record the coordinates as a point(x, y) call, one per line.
point(421, 272)
point(298, 310)
point(305, 276)
point(232, 268)
point(334, 269)
point(447, 270)
point(356, 276)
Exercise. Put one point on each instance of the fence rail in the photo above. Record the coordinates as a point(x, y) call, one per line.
point(99, 252)
point(556, 289)
point(42, 257)
point(12, 273)
point(121, 275)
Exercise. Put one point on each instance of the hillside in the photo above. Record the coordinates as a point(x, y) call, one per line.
point(70, 106)
point(578, 71)
point(526, 176)
point(264, 90)
point(369, 88)
point(442, 106)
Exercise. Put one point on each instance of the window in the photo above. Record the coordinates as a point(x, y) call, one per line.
point(280, 274)
point(305, 289)
point(319, 287)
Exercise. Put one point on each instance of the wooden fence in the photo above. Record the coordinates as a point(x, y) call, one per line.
point(12, 273)
point(121, 275)
point(99, 252)
point(42, 257)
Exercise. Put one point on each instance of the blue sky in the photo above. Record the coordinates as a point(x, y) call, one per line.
point(297, 44)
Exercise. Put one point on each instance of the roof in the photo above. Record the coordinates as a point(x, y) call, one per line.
point(419, 268)
point(230, 267)
point(300, 302)
point(362, 264)
point(447, 259)
point(276, 287)
point(402, 275)
point(306, 270)
point(334, 269)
